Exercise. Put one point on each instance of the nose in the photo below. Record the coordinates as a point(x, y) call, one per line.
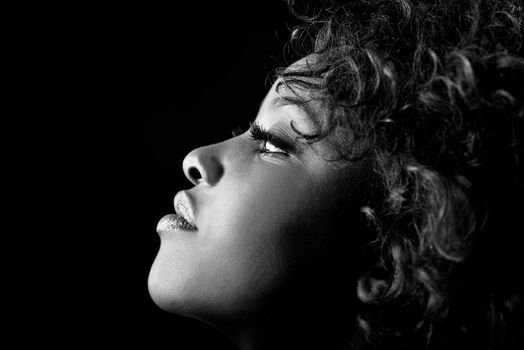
point(203, 165)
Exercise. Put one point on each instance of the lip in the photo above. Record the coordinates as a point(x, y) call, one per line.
point(173, 223)
point(184, 207)
point(183, 220)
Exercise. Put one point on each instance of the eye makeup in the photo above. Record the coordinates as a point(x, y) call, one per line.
point(274, 136)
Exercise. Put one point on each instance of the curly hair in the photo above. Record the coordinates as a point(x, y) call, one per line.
point(432, 93)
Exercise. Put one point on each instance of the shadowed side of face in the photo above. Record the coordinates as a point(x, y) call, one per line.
point(269, 211)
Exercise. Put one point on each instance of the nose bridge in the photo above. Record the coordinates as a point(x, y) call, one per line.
point(204, 165)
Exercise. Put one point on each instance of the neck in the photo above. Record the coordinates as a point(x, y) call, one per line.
point(308, 315)
point(321, 322)
point(310, 332)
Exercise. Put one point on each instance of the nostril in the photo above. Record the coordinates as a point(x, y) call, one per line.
point(202, 165)
point(194, 174)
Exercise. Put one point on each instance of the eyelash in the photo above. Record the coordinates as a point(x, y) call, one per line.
point(258, 133)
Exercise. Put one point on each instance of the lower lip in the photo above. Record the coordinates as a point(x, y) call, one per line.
point(173, 223)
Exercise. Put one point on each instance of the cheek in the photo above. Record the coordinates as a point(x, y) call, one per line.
point(251, 233)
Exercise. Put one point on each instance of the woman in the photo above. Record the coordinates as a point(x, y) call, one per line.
point(374, 201)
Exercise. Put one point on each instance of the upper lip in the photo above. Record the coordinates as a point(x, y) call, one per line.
point(185, 208)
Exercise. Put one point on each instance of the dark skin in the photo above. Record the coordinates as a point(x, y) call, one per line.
point(272, 263)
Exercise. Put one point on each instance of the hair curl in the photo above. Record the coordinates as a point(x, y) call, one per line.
point(432, 93)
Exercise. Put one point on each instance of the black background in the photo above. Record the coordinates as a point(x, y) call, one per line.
point(112, 95)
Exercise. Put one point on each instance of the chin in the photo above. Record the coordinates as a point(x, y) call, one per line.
point(177, 293)
point(166, 294)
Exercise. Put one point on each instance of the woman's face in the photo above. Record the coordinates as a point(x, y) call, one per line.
point(270, 216)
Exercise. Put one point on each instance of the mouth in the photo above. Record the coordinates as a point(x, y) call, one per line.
point(183, 220)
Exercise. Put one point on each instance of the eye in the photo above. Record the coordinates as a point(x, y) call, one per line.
point(271, 148)
point(271, 143)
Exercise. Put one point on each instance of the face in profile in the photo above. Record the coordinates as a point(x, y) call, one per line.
point(267, 222)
